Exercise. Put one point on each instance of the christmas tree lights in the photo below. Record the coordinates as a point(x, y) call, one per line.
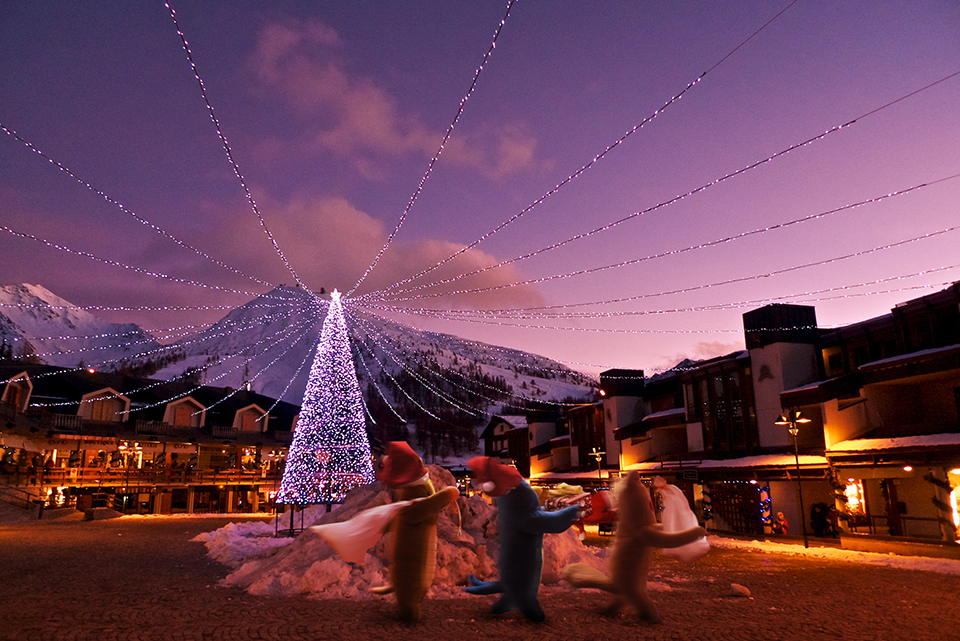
point(330, 453)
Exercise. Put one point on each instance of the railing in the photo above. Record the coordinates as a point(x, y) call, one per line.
point(910, 526)
point(224, 432)
point(16, 497)
point(152, 427)
point(132, 477)
point(65, 421)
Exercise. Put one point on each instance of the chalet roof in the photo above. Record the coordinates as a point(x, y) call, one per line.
point(149, 398)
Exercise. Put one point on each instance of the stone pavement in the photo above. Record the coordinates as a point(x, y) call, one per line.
point(144, 579)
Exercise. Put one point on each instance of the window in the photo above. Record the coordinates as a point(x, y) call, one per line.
point(248, 422)
point(102, 410)
point(182, 415)
point(835, 363)
point(956, 399)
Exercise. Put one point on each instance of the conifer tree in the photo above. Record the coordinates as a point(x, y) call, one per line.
point(330, 452)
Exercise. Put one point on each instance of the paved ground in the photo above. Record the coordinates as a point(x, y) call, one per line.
point(143, 579)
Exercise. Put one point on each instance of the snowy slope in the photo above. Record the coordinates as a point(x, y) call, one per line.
point(35, 321)
point(270, 343)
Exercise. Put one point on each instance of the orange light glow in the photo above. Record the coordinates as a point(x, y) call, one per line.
point(854, 494)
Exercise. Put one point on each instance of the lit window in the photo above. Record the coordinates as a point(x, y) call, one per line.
point(854, 493)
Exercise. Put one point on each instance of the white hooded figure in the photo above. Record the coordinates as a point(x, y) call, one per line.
point(677, 516)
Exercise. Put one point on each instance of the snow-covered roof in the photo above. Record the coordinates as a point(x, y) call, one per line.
point(515, 420)
point(912, 356)
point(766, 460)
point(557, 439)
point(808, 386)
point(872, 444)
point(665, 413)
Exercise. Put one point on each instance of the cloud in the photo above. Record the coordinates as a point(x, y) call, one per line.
point(300, 63)
point(701, 350)
point(330, 243)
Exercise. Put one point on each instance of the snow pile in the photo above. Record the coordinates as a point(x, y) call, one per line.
point(308, 565)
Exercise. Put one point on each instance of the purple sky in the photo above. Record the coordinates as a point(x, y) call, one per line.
point(333, 111)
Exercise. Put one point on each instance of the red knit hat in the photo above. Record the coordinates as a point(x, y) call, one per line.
point(494, 479)
point(401, 465)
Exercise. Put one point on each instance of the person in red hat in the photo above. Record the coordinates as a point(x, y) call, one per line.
point(414, 527)
point(523, 522)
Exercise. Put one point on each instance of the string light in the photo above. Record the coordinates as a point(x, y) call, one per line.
point(226, 145)
point(482, 352)
point(277, 338)
point(590, 164)
point(114, 263)
point(704, 245)
point(800, 298)
point(400, 387)
point(330, 453)
point(259, 373)
point(141, 308)
point(373, 333)
point(373, 381)
point(295, 375)
point(436, 156)
point(437, 392)
point(447, 380)
point(594, 270)
point(124, 209)
point(155, 384)
point(187, 331)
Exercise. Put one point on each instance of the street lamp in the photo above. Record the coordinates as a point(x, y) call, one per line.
point(792, 419)
point(597, 454)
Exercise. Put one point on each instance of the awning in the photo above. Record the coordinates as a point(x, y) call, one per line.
point(19, 442)
point(762, 461)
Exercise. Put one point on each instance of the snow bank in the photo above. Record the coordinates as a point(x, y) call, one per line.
point(308, 565)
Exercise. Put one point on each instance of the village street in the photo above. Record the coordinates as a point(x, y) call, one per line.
point(142, 578)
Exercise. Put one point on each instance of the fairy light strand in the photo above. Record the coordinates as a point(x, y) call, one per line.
point(796, 298)
point(373, 381)
point(416, 356)
point(437, 392)
point(741, 236)
point(673, 200)
point(276, 338)
point(226, 145)
point(160, 383)
point(595, 270)
point(436, 156)
point(485, 350)
point(114, 263)
point(124, 209)
point(303, 335)
point(286, 388)
point(589, 164)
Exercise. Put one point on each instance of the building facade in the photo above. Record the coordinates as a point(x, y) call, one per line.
point(93, 439)
point(875, 404)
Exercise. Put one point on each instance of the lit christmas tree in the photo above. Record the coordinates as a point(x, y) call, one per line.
point(330, 453)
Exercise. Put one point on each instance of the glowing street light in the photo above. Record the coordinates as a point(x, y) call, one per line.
point(792, 419)
point(597, 454)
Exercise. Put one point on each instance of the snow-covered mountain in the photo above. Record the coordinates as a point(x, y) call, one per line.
point(35, 322)
point(269, 345)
